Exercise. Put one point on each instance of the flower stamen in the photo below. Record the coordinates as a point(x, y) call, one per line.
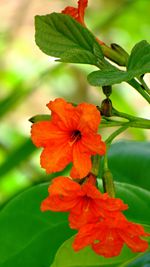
point(75, 136)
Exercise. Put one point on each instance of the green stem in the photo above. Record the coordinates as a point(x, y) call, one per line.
point(107, 177)
point(114, 134)
point(95, 164)
point(134, 124)
point(133, 120)
point(139, 88)
point(144, 85)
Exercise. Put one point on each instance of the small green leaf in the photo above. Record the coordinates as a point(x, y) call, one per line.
point(139, 60)
point(41, 117)
point(61, 36)
point(104, 77)
point(28, 236)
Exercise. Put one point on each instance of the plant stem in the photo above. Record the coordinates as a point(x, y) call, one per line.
point(139, 88)
point(144, 85)
point(107, 177)
point(95, 164)
point(114, 134)
point(133, 124)
point(133, 120)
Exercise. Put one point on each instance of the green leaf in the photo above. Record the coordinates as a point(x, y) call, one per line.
point(28, 236)
point(139, 60)
point(105, 77)
point(138, 64)
point(41, 117)
point(129, 163)
point(66, 257)
point(143, 261)
point(61, 36)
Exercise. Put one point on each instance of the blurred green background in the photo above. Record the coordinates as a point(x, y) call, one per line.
point(29, 79)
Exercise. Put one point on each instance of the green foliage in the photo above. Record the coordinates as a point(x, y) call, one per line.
point(28, 236)
point(139, 60)
point(143, 261)
point(138, 64)
point(66, 257)
point(129, 162)
point(60, 36)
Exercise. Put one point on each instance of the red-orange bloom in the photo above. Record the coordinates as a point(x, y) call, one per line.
point(70, 136)
point(78, 13)
point(84, 202)
point(108, 236)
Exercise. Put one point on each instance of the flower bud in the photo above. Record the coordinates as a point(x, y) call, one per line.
point(120, 51)
point(106, 107)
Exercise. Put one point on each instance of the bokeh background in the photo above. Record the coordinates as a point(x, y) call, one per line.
point(29, 79)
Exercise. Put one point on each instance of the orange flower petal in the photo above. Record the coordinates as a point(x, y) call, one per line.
point(45, 133)
point(63, 195)
point(109, 246)
point(63, 114)
point(89, 118)
point(81, 162)
point(84, 237)
point(93, 144)
point(86, 210)
point(64, 186)
point(108, 236)
point(55, 158)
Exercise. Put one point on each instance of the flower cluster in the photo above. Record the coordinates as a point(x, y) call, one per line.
point(71, 136)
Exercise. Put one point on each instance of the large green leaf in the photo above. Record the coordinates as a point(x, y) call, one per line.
point(29, 237)
point(129, 163)
point(61, 36)
point(143, 261)
point(66, 257)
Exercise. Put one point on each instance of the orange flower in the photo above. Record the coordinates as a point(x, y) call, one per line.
point(108, 236)
point(78, 13)
point(84, 202)
point(70, 136)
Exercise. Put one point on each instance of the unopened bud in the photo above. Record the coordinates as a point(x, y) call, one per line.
point(120, 51)
point(106, 107)
point(108, 183)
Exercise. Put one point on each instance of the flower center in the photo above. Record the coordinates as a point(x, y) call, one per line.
point(75, 136)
